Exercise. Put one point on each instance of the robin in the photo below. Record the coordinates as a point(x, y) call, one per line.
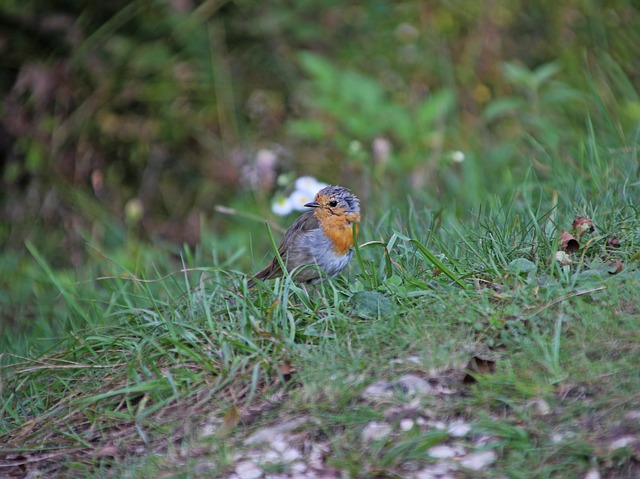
point(322, 236)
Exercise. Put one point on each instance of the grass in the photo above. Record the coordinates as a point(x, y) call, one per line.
point(166, 368)
point(151, 362)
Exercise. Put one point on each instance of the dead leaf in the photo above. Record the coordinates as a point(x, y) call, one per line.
point(582, 225)
point(287, 370)
point(613, 242)
point(229, 421)
point(568, 243)
point(110, 450)
point(478, 366)
point(614, 267)
point(563, 258)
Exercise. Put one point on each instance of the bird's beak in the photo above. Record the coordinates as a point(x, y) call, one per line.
point(312, 204)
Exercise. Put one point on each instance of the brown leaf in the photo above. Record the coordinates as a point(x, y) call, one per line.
point(563, 258)
point(568, 243)
point(613, 242)
point(107, 450)
point(614, 267)
point(287, 370)
point(581, 226)
point(477, 366)
point(229, 421)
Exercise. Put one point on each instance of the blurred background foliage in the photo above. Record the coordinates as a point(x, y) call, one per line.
point(129, 121)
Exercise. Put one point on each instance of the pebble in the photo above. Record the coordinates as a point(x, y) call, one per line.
point(622, 442)
point(377, 391)
point(437, 425)
point(414, 385)
point(298, 467)
point(407, 424)
point(478, 460)
point(633, 415)
point(592, 474)
point(459, 429)
point(279, 444)
point(438, 470)
point(270, 456)
point(375, 430)
point(271, 434)
point(291, 455)
point(426, 474)
point(443, 467)
point(248, 470)
point(441, 452)
point(209, 430)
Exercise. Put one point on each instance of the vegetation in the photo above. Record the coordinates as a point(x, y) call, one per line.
point(495, 152)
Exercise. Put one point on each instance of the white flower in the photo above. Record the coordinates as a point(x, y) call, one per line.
point(299, 198)
point(381, 150)
point(457, 156)
point(306, 189)
point(282, 206)
point(266, 159)
point(355, 147)
point(309, 185)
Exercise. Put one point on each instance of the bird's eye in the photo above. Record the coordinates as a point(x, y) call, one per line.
point(333, 203)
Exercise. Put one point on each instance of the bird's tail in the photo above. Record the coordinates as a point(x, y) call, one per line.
point(272, 270)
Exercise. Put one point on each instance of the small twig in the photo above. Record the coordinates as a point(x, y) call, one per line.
point(42, 364)
point(138, 280)
point(225, 210)
point(63, 366)
point(38, 458)
point(563, 298)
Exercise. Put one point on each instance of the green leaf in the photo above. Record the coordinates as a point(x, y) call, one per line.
point(502, 107)
point(435, 107)
point(320, 69)
point(309, 129)
point(544, 72)
point(521, 265)
point(518, 75)
point(370, 305)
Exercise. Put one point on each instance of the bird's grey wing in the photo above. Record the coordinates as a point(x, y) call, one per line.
point(304, 223)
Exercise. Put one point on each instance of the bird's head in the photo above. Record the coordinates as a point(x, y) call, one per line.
point(336, 201)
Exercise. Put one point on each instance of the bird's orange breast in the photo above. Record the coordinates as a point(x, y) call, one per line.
point(339, 230)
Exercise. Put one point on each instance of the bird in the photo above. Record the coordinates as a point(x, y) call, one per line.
point(322, 236)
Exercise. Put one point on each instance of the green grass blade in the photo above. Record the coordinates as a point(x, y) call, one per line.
point(438, 264)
